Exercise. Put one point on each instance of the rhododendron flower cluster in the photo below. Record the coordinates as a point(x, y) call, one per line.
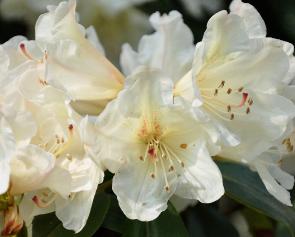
point(157, 123)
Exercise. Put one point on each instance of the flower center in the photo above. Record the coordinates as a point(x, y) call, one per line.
point(224, 101)
point(163, 158)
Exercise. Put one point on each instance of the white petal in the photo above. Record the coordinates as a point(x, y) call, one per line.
point(7, 148)
point(252, 19)
point(275, 181)
point(72, 57)
point(201, 178)
point(268, 120)
point(170, 48)
point(4, 177)
point(29, 168)
point(74, 212)
point(147, 198)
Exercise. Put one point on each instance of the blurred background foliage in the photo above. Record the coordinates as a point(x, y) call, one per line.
point(225, 218)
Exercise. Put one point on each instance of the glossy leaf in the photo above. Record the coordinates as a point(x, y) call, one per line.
point(202, 217)
point(245, 187)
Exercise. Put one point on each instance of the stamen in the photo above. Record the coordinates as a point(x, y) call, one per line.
point(216, 92)
point(25, 52)
point(229, 91)
point(240, 89)
point(228, 108)
point(183, 146)
point(165, 175)
point(221, 84)
point(232, 116)
point(248, 110)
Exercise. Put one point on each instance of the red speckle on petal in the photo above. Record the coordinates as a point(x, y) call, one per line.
point(151, 151)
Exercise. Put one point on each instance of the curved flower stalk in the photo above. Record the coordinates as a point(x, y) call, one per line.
point(116, 19)
point(49, 166)
point(156, 149)
point(73, 63)
point(236, 79)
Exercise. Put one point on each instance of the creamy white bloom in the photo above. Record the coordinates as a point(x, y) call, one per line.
point(73, 63)
point(17, 127)
point(236, 82)
point(238, 72)
point(154, 150)
point(49, 158)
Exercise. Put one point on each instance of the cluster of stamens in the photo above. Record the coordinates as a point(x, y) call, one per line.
point(59, 144)
point(214, 102)
point(27, 54)
point(162, 157)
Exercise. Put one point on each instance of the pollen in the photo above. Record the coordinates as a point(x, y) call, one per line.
point(183, 146)
point(241, 89)
point(221, 84)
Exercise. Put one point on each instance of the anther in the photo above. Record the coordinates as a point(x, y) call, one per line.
point(182, 164)
point(228, 108)
point(71, 127)
point(248, 110)
point(167, 188)
point(215, 92)
point(183, 146)
point(250, 101)
point(221, 84)
point(240, 89)
point(171, 168)
point(232, 116)
point(141, 158)
point(153, 176)
point(229, 91)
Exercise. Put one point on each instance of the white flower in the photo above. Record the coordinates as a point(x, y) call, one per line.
point(155, 150)
point(49, 159)
point(236, 82)
point(73, 63)
point(238, 72)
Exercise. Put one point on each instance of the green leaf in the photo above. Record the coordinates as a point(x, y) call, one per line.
point(49, 226)
point(282, 231)
point(245, 187)
point(168, 224)
point(115, 219)
point(201, 218)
